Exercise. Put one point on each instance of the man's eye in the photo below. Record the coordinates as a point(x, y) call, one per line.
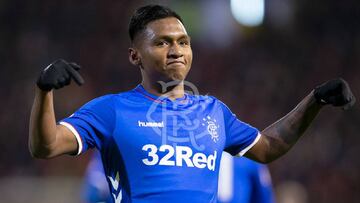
point(161, 43)
point(184, 43)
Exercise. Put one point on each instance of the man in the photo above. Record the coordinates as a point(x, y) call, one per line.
point(242, 180)
point(162, 143)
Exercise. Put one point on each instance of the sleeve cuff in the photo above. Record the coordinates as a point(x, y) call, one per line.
point(76, 134)
point(242, 152)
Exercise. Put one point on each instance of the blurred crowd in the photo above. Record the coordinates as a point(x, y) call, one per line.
point(261, 73)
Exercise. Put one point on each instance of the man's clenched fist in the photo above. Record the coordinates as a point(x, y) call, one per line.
point(335, 92)
point(58, 74)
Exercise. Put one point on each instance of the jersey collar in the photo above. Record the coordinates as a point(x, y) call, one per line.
point(140, 89)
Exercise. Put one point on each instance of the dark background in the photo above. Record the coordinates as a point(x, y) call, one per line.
point(260, 72)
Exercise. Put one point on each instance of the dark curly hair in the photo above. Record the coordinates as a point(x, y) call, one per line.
point(143, 15)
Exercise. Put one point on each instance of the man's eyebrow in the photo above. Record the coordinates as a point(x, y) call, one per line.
point(171, 37)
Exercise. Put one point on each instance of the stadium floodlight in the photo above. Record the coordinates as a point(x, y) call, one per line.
point(248, 12)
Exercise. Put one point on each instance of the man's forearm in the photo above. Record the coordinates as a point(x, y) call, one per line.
point(42, 132)
point(279, 137)
point(46, 139)
point(284, 133)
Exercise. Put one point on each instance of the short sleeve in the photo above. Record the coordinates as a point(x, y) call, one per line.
point(92, 123)
point(240, 136)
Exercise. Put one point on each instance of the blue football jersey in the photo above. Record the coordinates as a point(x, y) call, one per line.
point(242, 180)
point(157, 149)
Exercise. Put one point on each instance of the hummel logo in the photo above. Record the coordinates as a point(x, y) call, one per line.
point(151, 124)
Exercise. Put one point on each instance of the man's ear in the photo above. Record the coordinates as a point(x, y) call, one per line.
point(134, 57)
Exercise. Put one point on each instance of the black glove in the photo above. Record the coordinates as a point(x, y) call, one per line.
point(335, 92)
point(58, 74)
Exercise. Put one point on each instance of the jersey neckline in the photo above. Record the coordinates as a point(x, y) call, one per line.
point(159, 99)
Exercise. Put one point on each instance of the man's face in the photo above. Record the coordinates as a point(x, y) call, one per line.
point(164, 50)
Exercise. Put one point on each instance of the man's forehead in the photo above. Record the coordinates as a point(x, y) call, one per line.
point(165, 27)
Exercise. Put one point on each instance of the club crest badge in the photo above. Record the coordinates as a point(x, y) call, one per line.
point(212, 127)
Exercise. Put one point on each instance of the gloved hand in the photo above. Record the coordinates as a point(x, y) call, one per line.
point(58, 74)
point(335, 92)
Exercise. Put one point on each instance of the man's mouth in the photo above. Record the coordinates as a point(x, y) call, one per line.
point(175, 62)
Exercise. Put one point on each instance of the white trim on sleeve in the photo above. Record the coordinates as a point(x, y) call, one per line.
point(242, 152)
point(76, 134)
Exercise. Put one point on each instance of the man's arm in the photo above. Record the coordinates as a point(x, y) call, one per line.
point(46, 139)
point(279, 137)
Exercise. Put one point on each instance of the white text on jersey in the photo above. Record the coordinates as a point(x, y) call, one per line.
point(151, 124)
point(182, 154)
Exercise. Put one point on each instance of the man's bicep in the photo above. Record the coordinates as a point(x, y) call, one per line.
point(267, 149)
point(259, 150)
point(67, 142)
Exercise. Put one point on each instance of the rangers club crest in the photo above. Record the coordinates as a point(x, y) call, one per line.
point(212, 128)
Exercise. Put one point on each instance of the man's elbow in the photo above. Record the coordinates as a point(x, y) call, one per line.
point(267, 160)
point(271, 149)
point(39, 153)
point(261, 159)
point(264, 157)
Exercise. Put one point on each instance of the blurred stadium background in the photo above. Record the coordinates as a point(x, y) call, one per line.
point(261, 72)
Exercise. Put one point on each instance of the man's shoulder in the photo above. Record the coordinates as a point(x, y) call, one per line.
point(208, 100)
point(204, 98)
point(212, 99)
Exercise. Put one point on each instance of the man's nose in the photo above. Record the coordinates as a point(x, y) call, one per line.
point(175, 51)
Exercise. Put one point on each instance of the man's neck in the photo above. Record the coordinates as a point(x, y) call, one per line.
point(167, 90)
